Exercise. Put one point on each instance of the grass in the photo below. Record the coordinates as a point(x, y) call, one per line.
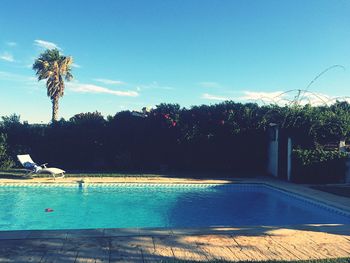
point(331, 260)
point(342, 190)
point(21, 174)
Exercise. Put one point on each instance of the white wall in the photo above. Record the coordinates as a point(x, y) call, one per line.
point(272, 162)
point(347, 171)
point(289, 159)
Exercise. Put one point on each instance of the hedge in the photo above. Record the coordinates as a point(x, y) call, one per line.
point(222, 137)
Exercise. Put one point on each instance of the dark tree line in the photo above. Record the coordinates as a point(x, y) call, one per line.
point(223, 137)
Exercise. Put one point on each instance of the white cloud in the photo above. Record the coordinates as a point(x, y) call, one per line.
point(214, 97)
point(292, 96)
point(266, 97)
point(4, 75)
point(75, 65)
point(317, 99)
point(282, 98)
point(7, 57)
point(74, 86)
point(110, 81)
point(153, 85)
point(46, 44)
point(19, 79)
point(91, 88)
point(11, 44)
point(207, 84)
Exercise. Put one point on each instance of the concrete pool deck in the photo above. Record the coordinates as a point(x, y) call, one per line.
point(154, 245)
point(160, 244)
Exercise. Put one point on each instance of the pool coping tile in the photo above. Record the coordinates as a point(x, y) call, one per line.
point(79, 233)
point(156, 231)
point(15, 234)
point(121, 232)
point(339, 229)
point(38, 234)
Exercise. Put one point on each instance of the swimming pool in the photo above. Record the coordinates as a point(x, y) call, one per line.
point(156, 205)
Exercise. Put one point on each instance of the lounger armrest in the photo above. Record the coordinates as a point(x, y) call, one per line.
point(44, 165)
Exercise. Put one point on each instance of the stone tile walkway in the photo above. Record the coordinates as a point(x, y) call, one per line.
point(154, 245)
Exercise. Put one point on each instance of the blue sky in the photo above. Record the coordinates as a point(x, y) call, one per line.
point(130, 54)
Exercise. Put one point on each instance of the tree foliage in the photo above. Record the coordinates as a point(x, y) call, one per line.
point(55, 68)
point(228, 136)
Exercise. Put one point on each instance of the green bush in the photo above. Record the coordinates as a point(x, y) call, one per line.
point(308, 157)
point(227, 136)
point(318, 166)
point(5, 161)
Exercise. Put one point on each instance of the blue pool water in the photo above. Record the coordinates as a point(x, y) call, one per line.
point(156, 206)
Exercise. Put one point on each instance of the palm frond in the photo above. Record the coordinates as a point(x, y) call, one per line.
point(55, 68)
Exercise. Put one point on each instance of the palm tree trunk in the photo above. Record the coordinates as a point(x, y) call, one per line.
point(55, 109)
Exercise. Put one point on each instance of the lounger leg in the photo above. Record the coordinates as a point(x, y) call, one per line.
point(29, 173)
point(62, 175)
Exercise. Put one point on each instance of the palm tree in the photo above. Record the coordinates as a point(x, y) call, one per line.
point(53, 67)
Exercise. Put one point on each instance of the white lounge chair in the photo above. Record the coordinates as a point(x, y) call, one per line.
point(33, 168)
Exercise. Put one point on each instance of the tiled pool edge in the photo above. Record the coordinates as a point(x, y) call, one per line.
point(326, 204)
point(157, 232)
point(299, 193)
